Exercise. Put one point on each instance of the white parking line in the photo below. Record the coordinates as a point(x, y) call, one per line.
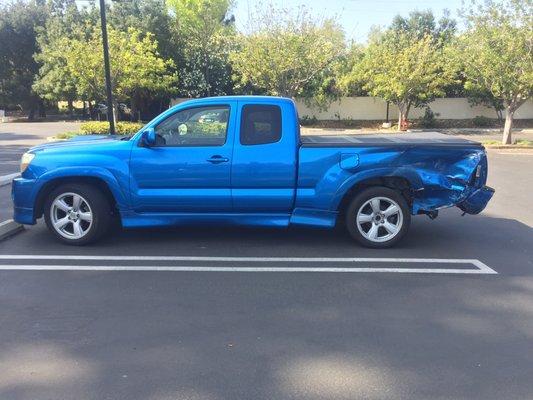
point(239, 269)
point(480, 268)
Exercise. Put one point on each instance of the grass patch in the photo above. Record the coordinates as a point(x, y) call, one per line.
point(519, 142)
point(66, 135)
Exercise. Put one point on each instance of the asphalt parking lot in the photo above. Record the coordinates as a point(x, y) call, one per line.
point(236, 313)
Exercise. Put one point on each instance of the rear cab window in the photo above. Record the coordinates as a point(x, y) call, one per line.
point(260, 124)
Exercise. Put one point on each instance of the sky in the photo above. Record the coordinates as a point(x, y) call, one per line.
point(355, 16)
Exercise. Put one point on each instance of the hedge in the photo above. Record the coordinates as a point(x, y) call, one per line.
point(102, 128)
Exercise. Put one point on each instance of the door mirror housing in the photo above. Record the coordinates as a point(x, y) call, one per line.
point(148, 137)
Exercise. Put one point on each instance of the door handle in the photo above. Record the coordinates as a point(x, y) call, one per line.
point(217, 159)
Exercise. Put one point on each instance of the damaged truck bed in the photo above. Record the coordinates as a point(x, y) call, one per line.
point(439, 170)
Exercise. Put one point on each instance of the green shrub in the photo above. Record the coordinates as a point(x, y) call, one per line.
point(481, 121)
point(102, 128)
point(66, 135)
point(428, 120)
point(307, 120)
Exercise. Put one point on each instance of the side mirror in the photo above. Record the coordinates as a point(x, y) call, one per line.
point(148, 137)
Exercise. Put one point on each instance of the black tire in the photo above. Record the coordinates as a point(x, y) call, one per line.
point(400, 220)
point(99, 206)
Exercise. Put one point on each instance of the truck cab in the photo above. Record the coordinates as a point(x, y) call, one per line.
point(241, 160)
point(218, 156)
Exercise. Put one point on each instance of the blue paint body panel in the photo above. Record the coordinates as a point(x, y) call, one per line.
point(295, 180)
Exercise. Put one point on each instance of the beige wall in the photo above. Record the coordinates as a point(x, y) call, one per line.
point(371, 108)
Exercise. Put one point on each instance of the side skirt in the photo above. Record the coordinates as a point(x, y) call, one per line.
point(300, 216)
point(138, 220)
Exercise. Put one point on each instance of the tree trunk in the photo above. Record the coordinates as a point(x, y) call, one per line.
point(499, 114)
point(133, 110)
point(403, 113)
point(115, 113)
point(70, 107)
point(91, 111)
point(507, 128)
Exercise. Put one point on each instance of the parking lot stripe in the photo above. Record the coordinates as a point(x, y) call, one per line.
point(481, 268)
point(246, 259)
point(241, 269)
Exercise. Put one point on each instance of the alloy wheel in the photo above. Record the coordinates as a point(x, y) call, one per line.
point(379, 219)
point(71, 215)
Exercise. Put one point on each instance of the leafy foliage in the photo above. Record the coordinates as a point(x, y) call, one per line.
point(19, 22)
point(102, 128)
point(205, 34)
point(135, 64)
point(496, 53)
point(422, 23)
point(147, 16)
point(288, 54)
point(54, 81)
point(428, 120)
point(403, 70)
point(481, 122)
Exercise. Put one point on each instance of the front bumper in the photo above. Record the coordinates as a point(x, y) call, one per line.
point(23, 196)
point(477, 200)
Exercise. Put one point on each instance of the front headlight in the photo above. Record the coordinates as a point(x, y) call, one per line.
point(25, 161)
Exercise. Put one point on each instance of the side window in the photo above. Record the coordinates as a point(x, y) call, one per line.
point(199, 126)
point(260, 124)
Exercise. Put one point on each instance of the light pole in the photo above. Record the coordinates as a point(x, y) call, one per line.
point(109, 93)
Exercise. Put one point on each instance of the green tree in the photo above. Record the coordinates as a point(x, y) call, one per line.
point(136, 67)
point(403, 69)
point(288, 54)
point(496, 53)
point(148, 16)
point(421, 23)
point(18, 24)
point(205, 35)
point(54, 81)
point(346, 81)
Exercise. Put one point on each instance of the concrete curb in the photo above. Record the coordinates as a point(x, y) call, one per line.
point(9, 228)
point(6, 179)
point(507, 147)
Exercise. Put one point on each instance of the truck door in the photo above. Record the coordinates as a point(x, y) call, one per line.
point(188, 170)
point(263, 175)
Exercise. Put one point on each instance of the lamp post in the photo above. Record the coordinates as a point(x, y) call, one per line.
point(109, 93)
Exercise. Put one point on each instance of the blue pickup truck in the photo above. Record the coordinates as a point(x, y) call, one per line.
point(241, 160)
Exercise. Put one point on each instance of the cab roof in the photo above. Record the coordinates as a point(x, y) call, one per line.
point(257, 99)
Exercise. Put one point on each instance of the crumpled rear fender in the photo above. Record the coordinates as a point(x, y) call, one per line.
point(449, 179)
point(439, 176)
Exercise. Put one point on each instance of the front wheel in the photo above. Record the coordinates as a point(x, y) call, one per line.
point(378, 217)
point(77, 214)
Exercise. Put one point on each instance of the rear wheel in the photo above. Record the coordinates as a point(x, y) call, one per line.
point(77, 214)
point(378, 217)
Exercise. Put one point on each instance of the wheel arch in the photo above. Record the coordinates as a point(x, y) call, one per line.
point(399, 183)
point(51, 184)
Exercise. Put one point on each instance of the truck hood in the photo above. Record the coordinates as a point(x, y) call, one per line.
point(83, 141)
